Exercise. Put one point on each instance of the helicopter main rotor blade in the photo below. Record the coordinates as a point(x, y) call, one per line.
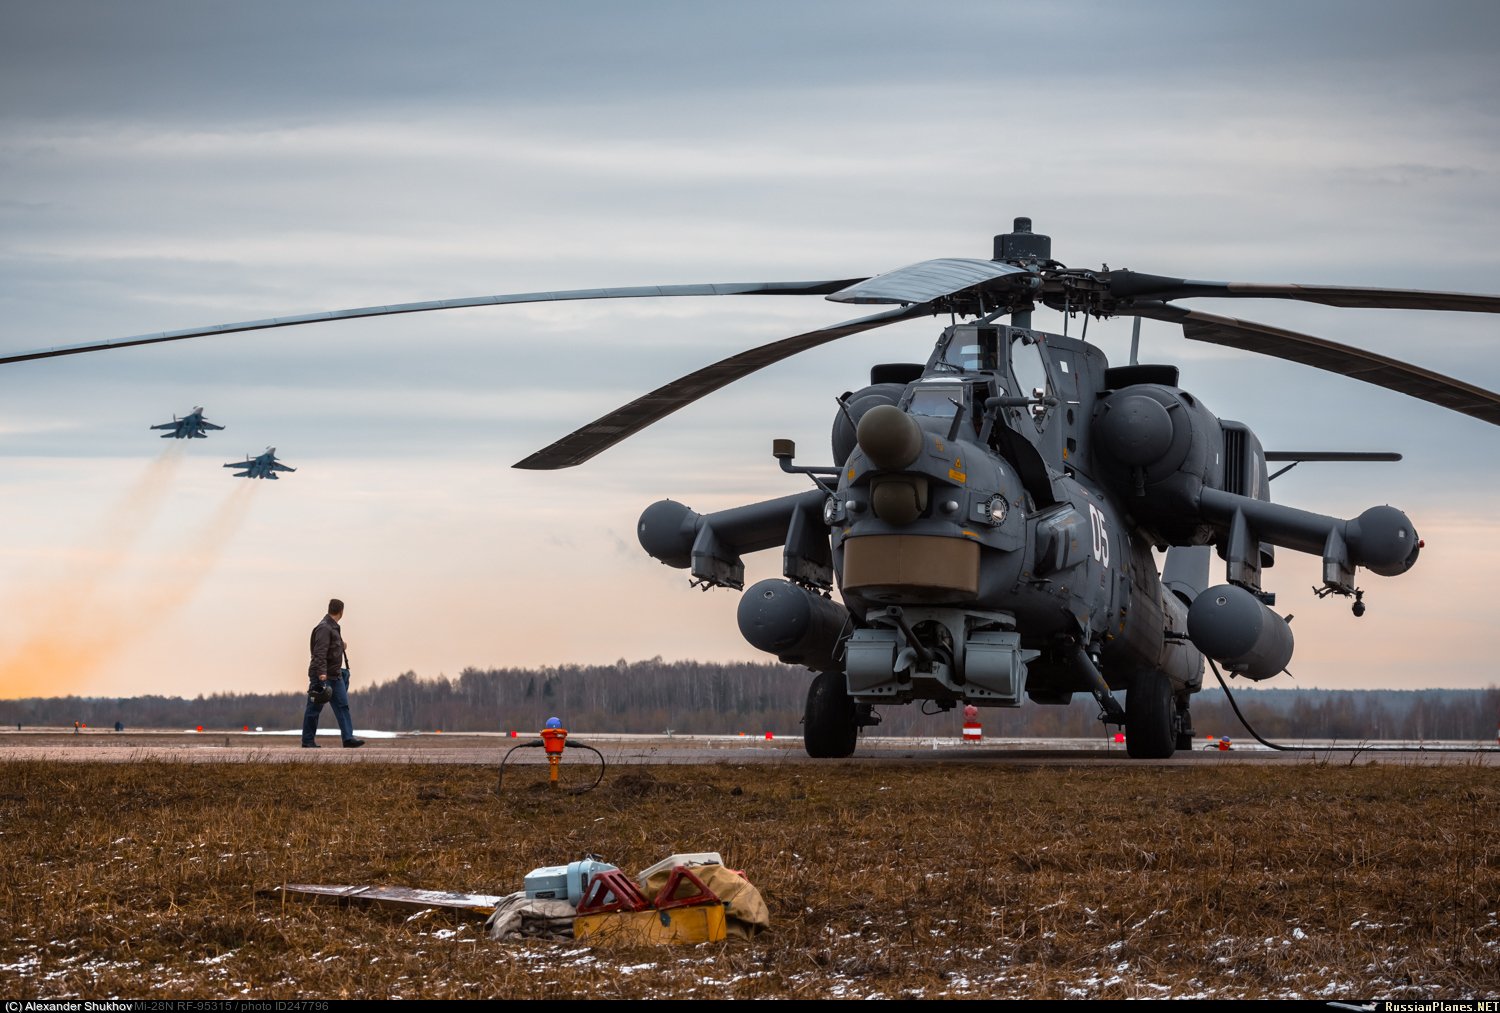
point(1128, 285)
point(627, 420)
point(640, 292)
point(1371, 367)
point(929, 281)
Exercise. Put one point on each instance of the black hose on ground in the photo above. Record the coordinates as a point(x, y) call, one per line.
point(1338, 749)
point(538, 744)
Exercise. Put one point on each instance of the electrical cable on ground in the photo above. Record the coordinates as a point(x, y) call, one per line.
point(1338, 749)
point(538, 744)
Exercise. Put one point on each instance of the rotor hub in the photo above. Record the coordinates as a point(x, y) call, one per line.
point(1023, 247)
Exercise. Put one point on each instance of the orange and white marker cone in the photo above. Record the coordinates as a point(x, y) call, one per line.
point(973, 731)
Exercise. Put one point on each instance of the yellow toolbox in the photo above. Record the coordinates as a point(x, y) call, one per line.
point(699, 923)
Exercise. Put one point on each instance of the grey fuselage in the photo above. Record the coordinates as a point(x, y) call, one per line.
point(991, 522)
point(1014, 533)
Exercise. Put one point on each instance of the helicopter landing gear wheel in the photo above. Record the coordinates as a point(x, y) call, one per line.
point(1150, 717)
point(1184, 732)
point(829, 725)
point(1184, 725)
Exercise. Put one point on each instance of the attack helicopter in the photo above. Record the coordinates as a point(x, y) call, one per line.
point(990, 517)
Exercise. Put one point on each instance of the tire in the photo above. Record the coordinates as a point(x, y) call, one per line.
point(1150, 712)
point(1185, 731)
point(829, 727)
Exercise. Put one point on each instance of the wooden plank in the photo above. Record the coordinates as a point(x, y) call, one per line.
point(405, 897)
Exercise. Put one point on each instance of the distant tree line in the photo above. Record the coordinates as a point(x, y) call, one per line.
point(706, 698)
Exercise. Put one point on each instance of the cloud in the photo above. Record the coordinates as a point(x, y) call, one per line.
point(176, 164)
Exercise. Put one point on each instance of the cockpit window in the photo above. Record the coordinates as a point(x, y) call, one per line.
point(936, 401)
point(973, 350)
point(1029, 367)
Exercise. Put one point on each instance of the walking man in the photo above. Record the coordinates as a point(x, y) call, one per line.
point(328, 680)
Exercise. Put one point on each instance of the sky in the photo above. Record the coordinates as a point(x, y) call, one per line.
point(174, 164)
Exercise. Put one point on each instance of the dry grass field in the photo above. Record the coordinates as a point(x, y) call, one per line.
point(1316, 880)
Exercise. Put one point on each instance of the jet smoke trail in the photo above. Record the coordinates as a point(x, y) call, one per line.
point(84, 627)
point(204, 550)
point(104, 550)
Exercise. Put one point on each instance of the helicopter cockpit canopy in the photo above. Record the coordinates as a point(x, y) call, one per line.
point(1003, 353)
point(937, 397)
point(970, 349)
point(944, 396)
point(973, 362)
point(1028, 365)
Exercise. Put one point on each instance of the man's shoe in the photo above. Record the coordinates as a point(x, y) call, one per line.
point(353, 743)
point(311, 745)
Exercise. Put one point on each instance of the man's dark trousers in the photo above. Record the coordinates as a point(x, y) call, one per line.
point(340, 703)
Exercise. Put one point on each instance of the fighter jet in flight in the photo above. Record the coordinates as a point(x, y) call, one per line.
point(189, 427)
point(264, 466)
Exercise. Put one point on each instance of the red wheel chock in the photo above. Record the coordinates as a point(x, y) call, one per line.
point(667, 899)
point(621, 890)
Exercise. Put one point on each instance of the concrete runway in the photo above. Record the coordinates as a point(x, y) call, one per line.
point(93, 746)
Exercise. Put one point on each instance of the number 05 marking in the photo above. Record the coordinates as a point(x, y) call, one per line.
point(1101, 536)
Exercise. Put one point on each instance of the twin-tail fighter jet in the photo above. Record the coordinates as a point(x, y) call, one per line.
point(192, 426)
point(264, 466)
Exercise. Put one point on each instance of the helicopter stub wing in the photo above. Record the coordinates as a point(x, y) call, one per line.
point(627, 420)
point(1320, 353)
point(1129, 285)
point(929, 281)
point(641, 292)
